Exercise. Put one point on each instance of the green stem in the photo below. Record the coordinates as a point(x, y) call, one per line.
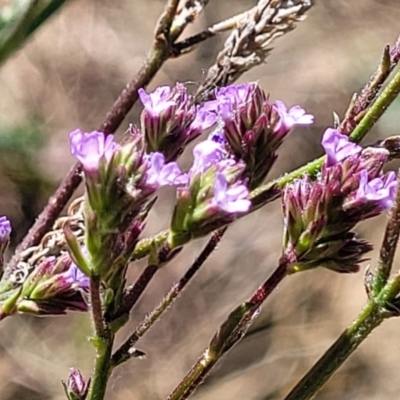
point(103, 341)
point(228, 335)
point(124, 352)
point(195, 376)
point(374, 312)
point(348, 341)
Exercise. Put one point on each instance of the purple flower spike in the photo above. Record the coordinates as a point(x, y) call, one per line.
point(89, 148)
point(232, 200)
point(5, 229)
point(337, 147)
point(288, 118)
point(164, 174)
point(379, 191)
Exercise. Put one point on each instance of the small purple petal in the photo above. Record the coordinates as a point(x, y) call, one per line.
point(162, 174)
point(231, 200)
point(157, 101)
point(338, 147)
point(74, 276)
point(288, 118)
point(205, 154)
point(89, 148)
point(378, 190)
point(204, 119)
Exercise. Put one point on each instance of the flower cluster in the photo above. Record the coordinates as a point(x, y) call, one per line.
point(251, 128)
point(170, 120)
point(54, 287)
point(213, 196)
point(120, 179)
point(320, 214)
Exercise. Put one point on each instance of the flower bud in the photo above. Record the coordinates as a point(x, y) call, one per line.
point(76, 388)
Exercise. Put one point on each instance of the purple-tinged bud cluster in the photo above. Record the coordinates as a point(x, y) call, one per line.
point(251, 127)
point(76, 388)
point(320, 214)
point(54, 287)
point(213, 195)
point(170, 120)
point(120, 179)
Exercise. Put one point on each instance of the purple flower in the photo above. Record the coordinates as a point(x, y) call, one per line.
point(203, 120)
point(337, 147)
point(157, 101)
point(5, 229)
point(163, 174)
point(251, 128)
point(234, 199)
point(206, 154)
point(75, 277)
point(91, 148)
point(380, 191)
point(170, 120)
point(76, 388)
point(288, 118)
point(213, 196)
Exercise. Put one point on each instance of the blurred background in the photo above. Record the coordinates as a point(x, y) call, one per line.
point(68, 76)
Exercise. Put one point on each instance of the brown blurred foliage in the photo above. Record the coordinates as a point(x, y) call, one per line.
point(66, 77)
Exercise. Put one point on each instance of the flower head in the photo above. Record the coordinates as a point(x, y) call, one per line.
point(320, 214)
point(54, 287)
point(213, 196)
point(170, 120)
point(338, 147)
point(251, 128)
point(91, 148)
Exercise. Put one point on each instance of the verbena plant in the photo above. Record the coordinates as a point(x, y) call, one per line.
point(79, 262)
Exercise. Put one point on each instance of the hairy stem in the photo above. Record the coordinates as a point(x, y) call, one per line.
point(229, 334)
point(103, 341)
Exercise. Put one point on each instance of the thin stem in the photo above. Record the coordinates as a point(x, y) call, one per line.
point(96, 307)
point(388, 247)
point(19, 20)
point(374, 312)
point(103, 341)
point(124, 352)
point(229, 334)
point(369, 318)
point(390, 58)
point(134, 292)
